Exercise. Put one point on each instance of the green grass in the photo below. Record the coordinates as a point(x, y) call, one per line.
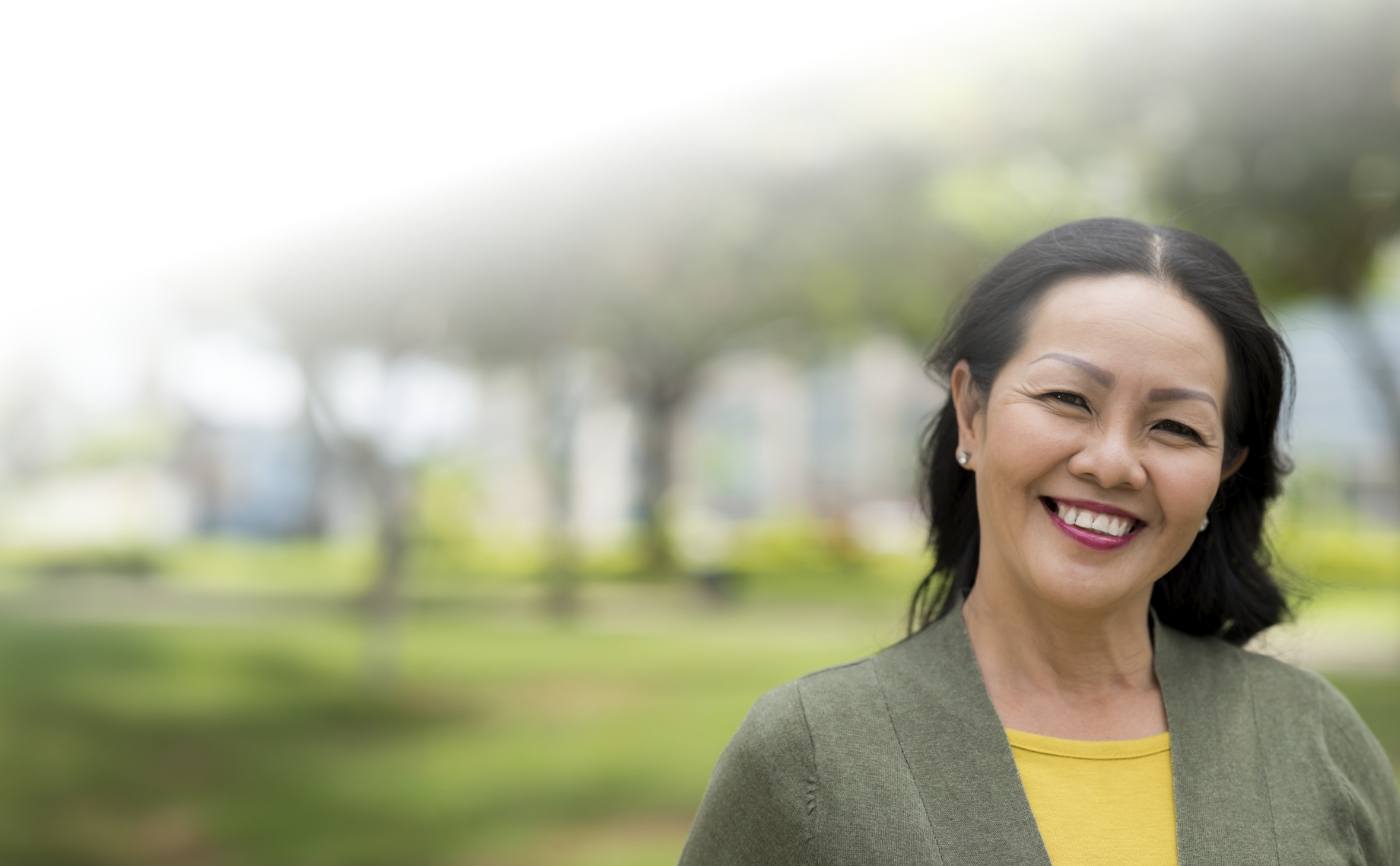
point(505, 742)
point(143, 744)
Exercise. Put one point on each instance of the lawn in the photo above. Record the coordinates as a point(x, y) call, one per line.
point(507, 740)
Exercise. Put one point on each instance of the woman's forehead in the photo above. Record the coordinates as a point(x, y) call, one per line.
point(1125, 323)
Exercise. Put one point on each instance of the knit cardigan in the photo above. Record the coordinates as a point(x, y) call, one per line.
point(900, 758)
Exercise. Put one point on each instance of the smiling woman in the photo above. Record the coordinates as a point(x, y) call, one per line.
point(1072, 688)
point(1108, 412)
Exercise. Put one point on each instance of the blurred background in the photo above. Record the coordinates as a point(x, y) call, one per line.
point(425, 430)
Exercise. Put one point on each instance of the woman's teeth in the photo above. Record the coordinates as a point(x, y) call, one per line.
point(1093, 520)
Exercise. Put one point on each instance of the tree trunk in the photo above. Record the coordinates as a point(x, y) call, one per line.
point(321, 457)
point(391, 489)
point(658, 407)
point(558, 398)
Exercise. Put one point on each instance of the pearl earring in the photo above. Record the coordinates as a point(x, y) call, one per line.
point(1205, 521)
point(963, 457)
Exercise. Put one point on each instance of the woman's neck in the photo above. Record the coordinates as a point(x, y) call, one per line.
point(1073, 674)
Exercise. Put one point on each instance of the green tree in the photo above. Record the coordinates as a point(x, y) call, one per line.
point(352, 297)
point(1278, 134)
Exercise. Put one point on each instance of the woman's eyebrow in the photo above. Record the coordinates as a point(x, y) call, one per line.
point(1105, 378)
point(1163, 395)
point(1099, 374)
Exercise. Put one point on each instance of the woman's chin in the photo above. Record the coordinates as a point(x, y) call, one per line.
point(1089, 593)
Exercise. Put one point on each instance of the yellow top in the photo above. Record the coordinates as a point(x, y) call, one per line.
point(1100, 801)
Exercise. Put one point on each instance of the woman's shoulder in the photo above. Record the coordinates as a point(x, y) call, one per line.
point(772, 755)
point(824, 704)
point(806, 742)
point(1277, 683)
point(1271, 679)
point(1281, 688)
point(1274, 685)
point(1314, 744)
point(859, 696)
point(1299, 711)
point(818, 696)
point(1302, 713)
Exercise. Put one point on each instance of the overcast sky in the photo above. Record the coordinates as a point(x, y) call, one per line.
point(153, 148)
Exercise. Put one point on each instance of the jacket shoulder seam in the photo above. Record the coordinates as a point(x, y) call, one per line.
point(834, 668)
point(812, 781)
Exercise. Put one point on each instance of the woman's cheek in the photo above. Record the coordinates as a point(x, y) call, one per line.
point(1035, 420)
point(1190, 484)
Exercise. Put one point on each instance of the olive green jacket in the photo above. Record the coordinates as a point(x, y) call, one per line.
point(900, 758)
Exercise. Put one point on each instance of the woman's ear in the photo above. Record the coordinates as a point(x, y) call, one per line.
point(966, 404)
point(1235, 463)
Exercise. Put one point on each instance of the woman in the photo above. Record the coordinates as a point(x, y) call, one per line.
point(1072, 688)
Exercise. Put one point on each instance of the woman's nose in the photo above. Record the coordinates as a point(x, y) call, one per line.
point(1110, 459)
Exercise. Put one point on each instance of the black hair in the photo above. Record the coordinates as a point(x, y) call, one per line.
point(1223, 586)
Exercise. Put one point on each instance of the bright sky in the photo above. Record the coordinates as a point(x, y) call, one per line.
point(151, 139)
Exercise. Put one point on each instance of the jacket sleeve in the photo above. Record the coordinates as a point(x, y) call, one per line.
point(757, 809)
point(1367, 774)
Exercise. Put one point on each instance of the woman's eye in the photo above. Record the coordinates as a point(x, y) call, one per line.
point(1069, 397)
point(1179, 429)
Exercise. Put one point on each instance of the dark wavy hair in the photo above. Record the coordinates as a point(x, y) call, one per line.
point(1223, 586)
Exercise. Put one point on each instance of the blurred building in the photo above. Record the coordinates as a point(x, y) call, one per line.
point(262, 482)
point(130, 503)
point(838, 441)
point(1338, 435)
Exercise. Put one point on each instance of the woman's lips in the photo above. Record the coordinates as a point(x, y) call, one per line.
point(1088, 537)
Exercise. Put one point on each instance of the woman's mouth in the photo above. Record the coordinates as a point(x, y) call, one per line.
point(1093, 529)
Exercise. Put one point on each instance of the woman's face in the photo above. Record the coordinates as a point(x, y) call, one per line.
point(1099, 449)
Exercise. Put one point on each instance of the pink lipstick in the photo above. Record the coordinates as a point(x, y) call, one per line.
point(1089, 538)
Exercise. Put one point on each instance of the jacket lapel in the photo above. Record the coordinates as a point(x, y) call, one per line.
point(1223, 813)
point(956, 749)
